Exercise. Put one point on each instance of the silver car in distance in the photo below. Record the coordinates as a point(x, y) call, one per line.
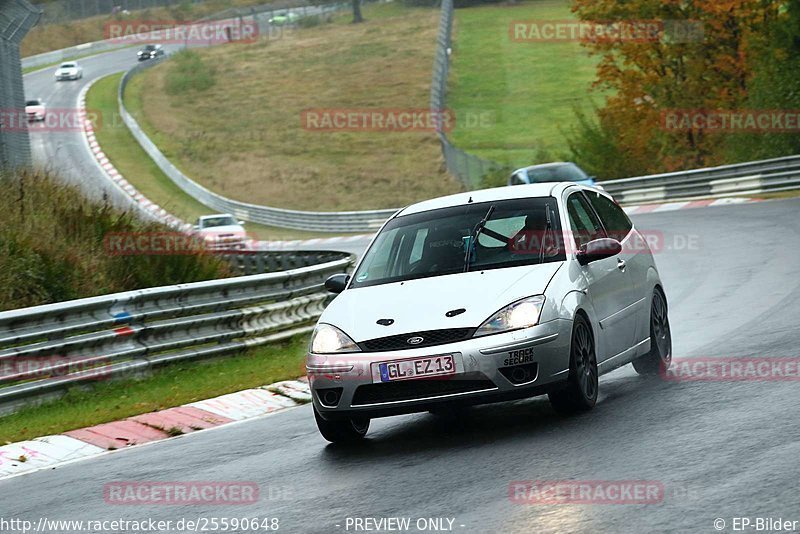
point(488, 296)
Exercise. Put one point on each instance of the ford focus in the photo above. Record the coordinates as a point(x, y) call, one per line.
point(488, 296)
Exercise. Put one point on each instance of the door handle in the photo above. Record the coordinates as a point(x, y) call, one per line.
point(621, 264)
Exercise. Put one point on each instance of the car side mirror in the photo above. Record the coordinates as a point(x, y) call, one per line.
point(337, 283)
point(599, 249)
point(241, 223)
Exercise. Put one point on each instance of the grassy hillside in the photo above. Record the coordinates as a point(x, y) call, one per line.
point(526, 90)
point(47, 37)
point(52, 247)
point(230, 116)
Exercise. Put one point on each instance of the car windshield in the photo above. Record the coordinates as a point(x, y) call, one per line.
point(34, 102)
point(433, 243)
point(557, 173)
point(68, 65)
point(213, 222)
point(149, 47)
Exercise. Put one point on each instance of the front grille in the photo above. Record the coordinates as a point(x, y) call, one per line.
point(418, 389)
point(429, 339)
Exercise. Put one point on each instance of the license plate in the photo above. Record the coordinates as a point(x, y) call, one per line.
point(417, 368)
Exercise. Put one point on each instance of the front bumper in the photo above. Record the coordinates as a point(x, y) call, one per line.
point(222, 246)
point(484, 368)
point(63, 77)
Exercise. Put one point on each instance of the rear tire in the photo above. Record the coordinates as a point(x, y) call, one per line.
point(580, 393)
point(659, 358)
point(341, 430)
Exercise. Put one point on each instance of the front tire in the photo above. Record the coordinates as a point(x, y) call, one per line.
point(341, 430)
point(580, 393)
point(659, 358)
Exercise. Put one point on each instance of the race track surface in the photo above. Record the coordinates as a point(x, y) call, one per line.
point(720, 449)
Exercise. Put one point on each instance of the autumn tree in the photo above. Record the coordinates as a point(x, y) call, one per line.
point(697, 58)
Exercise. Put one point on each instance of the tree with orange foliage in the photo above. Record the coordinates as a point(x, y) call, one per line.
point(698, 59)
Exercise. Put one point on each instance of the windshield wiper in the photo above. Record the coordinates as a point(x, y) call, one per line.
point(473, 238)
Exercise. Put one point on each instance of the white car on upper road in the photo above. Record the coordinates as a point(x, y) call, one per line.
point(488, 296)
point(69, 70)
point(221, 232)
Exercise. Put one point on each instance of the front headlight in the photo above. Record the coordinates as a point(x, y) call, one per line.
point(328, 339)
point(521, 314)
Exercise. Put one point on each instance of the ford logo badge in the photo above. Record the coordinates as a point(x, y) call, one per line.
point(416, 340)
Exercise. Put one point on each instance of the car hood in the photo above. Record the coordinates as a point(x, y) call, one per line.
point(67, 71)
point(419, 305)
point(34, 109)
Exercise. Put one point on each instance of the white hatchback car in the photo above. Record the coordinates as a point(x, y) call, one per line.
point(221, 232)
point(488, 296)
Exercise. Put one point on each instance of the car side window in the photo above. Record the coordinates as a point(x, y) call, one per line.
point(617, 224)
point(584, 223)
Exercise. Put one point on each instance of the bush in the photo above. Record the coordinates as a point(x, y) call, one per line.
point(52, 247)
point(188, 71)
point(595, 149)
point(496, 178)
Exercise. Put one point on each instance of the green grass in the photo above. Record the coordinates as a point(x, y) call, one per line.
point(53, 248)
point(526, 90)
point(136, 166)
point(242, 135)
point(170, 386)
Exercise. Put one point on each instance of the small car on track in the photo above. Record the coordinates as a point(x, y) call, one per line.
point(151, 51)
point(557, 171)
point(487, 296)
point(221, 232)
point(69, 70)
point(35, 109)
point(284, 19)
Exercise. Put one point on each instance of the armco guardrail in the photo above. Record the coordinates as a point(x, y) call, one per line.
point(107, 336)
point(342, 221)
point(56, 56)
point(468, 168)
point(779, 174)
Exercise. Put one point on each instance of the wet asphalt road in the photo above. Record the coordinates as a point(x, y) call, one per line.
point(720, 449)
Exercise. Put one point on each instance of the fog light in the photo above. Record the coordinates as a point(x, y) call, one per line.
point(329, 397)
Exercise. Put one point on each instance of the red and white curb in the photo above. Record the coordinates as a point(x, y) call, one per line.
point(160, 213)
point(51, 451)
point(114, 175)
point(688, 204)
